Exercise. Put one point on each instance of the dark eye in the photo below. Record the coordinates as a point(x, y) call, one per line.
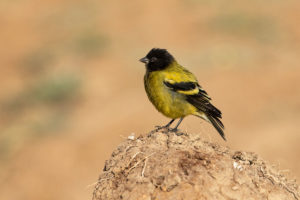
point(153, 59)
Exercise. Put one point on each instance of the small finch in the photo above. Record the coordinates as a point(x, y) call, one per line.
point(175, 92)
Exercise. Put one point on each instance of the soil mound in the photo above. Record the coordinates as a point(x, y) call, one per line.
point(174, 165)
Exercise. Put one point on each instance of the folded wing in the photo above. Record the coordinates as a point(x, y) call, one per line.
point(199, 98)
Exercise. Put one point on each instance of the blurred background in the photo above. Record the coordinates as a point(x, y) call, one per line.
point(72, 87)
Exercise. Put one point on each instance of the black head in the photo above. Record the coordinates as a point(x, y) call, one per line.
point(157, 59)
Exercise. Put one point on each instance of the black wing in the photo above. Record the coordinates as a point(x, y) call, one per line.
point(184, 86)
point(199, 98)
point(187, 88)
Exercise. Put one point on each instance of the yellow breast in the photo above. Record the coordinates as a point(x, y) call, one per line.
point(169, 103)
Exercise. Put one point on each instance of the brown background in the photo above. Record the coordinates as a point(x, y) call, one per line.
point(72, 86)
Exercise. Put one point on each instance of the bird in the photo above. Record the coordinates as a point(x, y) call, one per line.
point(175, 92)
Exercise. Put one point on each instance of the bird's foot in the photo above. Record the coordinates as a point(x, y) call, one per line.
point(165, 126)
point(174, 129)
point(177, 131)
point(158, 127)
point(167, 129)
point(161, 127)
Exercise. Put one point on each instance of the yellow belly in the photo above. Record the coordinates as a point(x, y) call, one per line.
point(169, 103)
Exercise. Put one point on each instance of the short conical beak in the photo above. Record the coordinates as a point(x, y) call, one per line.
point(144, 60)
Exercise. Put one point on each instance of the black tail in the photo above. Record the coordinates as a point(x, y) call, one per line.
point(217, 124)
point(213, 114)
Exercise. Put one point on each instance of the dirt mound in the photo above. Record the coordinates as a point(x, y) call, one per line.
point(169, 165)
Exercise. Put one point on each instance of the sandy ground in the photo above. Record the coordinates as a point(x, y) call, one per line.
point(245, 55)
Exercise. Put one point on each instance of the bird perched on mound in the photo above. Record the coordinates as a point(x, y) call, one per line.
point(175, 91)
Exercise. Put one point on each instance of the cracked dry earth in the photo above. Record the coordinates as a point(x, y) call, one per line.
point(165, 165)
